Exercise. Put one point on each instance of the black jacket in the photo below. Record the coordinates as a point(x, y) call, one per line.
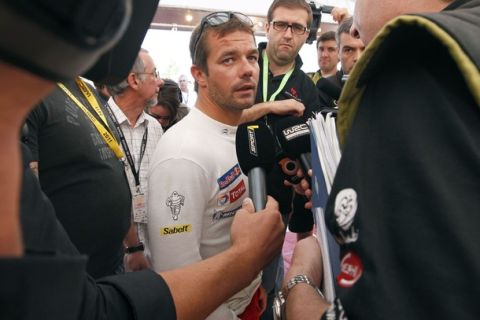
point(50, 281)
point(404, 203)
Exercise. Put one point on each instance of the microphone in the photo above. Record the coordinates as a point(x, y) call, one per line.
point(255, 147)
point(330, 88)
point(294, 137)
point(289, 168)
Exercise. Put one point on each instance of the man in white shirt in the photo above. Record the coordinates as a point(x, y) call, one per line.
point(188, 96)
point(139, 134)
point(196, 185)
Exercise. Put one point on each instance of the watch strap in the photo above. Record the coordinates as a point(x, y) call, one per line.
point(300, 278)
point(282, 295)
point(136, 248)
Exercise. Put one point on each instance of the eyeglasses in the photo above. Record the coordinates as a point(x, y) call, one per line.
point(156, 116)
point(154, 73)
point(215, 19)
point(296, 28)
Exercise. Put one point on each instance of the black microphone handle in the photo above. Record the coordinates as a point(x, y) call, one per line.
point(257, 187)
point(306, 161)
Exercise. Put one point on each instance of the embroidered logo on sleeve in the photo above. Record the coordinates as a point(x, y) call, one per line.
point(237, 192)
point(233, 195)
point(228, 177)
point(351, 270)
point(223, 199)
point(218, 215)
point(170, 230)
point(346, 206)
point(175, 203)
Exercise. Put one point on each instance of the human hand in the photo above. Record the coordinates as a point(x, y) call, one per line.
point(307, 260)
point(136, 261)
point(258, 235)
point(339, 14)
point(287, 107)
point(303, 187)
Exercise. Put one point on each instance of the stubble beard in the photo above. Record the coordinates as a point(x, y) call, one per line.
point(152, 102)
point(228, 102)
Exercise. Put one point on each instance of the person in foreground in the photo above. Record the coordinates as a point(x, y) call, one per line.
point(43, 276)
point(404, 201)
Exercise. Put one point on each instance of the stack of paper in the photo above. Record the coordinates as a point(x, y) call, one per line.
point(325, 157)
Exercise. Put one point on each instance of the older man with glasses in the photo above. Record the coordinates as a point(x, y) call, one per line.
point(139, 134)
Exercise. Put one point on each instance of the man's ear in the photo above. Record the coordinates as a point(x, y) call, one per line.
point(267, 27)
point(199, 76)
point(133, 80)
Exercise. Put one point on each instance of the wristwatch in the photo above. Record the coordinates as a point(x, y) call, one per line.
point(282, 295)
point(135, 248)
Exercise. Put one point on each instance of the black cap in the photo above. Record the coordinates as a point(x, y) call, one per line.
point(255, 146)
point(59, 40)
point(294, 136)
point(113, 67)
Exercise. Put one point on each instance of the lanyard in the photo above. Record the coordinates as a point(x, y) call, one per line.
point(128, 154)
point(265, 80)
point(102, 128)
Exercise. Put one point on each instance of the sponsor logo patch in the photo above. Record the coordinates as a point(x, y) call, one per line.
point(218, 215)
point(165, 231)
point(351, 270)
point(252, 140)
point(230, 176)
point(233, 195)
point(237, 192)
point(222, 199)
point(296, 131)
point(346, 206)
point(175, 203)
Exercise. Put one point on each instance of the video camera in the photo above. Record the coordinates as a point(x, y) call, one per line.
point(317, 11)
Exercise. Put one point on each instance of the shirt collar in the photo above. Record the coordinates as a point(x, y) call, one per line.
point(221, 128)
point(121, 117)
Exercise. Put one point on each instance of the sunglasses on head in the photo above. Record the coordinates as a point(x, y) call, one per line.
point(218, 18)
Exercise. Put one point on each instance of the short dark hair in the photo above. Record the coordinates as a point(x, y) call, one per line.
point(327, 36)
point(170, 89)
point(344, 27)
point(291, 4)
point(201, 53)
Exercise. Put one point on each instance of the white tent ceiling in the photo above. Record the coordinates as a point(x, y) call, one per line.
point(252, 7)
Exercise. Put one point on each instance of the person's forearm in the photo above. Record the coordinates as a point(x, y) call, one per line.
point(198, 289)
point(255, 112)
point(131, 239)
point(304, 303)
point(10, 171)
point(24, 91)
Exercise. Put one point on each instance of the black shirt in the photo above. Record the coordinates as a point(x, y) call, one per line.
point(50, 281)
point(404, 203)
point(82, 177)
point(302, 87)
